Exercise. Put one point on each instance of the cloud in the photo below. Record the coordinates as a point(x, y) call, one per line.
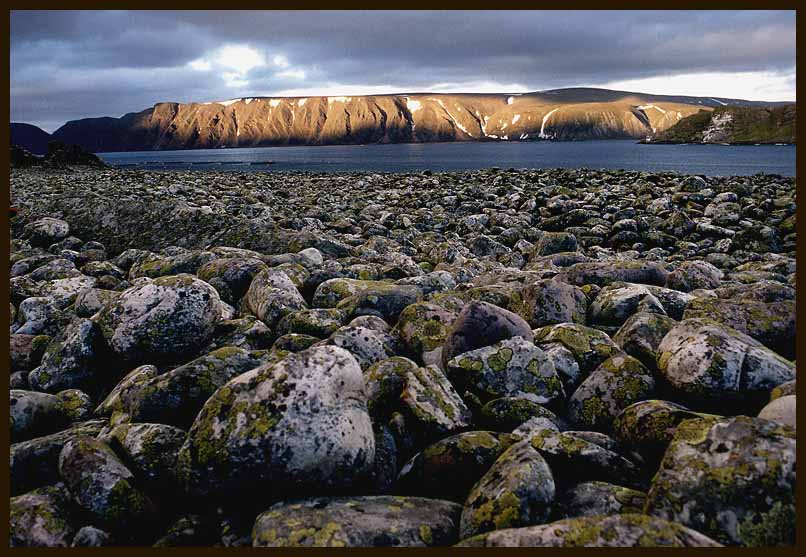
point(129, 60)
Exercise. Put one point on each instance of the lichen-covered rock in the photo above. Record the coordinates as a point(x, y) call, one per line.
point(784, 389)
point(618, 301)
point(710, 365)
point(640, 336)
point(358, 522)
point(41, 518)
point(385, 301)
point(330, 292)
point(231, 276)
point(74, 359)
point(191, 530)
point(34, 414)
point(58, 268)
point(430, 283)
point(151, 450)
point(603, 273)
point(732, 479)
point(556, 242)
point(46, 231)
point(507, 413)
point(649, 425)
point(692, 275)
point(175, 397)
point(366, 345)
point(271, 296)
point(294, 342)
point(589, 347)
point(574, 459)
point(781, 410)
point(39, 315)
point(25, 351)
point(547, 302)
point(481, 324)
point(319, 323)
point(598, 499)
point(90, 536)
point(154, 266)
point(423, 328)
point(429, 407)
point(517, 490)
point(771, 323)
point(246, 332)
point(162, 320)
point(512, 367)
point(449, 468)
point(299, 422)
point(618, 382)
point(121, 396)
point(35, 463)
point(91, 301)
point(76, 404)
point(101, 484)
point(423, 396)
point(623, 530)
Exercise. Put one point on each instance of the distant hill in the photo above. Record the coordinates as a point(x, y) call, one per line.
point(735, 125)
point(30, 137)
point(562, 114)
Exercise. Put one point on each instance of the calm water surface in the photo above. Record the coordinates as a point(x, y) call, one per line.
point(715, 160)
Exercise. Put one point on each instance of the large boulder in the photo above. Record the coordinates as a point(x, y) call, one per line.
point(710, 365)
point(641, 334)
point(162, 320)
point(231, 276)
point(371, 521)
point(588, 346)
point(512, 367)
point(618, 382)
point(782, 410)
point(547, 302)
point(271, 296)
point(770, 323)
point(623, 530)
point(34, 414)
point(35, 463)
point(603, 273)
point(385, 301)
point(449, 468)
point(481, 324)
point(46, 231)
point(76, 358)
point(175, 397)
point(299, 423)
point(42, 518)
point(617, 302)
point(102, 485)
point(648, 426)
point(517, 490)
point(423, 328)
point(732, 479)
point(599, 499)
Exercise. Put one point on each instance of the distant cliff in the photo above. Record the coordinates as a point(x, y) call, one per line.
point(564, 114)
point(735, 125)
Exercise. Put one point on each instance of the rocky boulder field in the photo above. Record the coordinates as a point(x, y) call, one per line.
point(482, 359)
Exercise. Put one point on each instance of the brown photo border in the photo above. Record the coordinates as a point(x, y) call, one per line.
point(114, 551)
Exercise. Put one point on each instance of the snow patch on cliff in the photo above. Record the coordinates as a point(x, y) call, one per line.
point(542, 134)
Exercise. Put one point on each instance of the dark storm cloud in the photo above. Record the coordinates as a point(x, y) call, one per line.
point(67, 65)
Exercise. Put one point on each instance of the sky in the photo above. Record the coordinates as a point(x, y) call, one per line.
point(67, 65)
